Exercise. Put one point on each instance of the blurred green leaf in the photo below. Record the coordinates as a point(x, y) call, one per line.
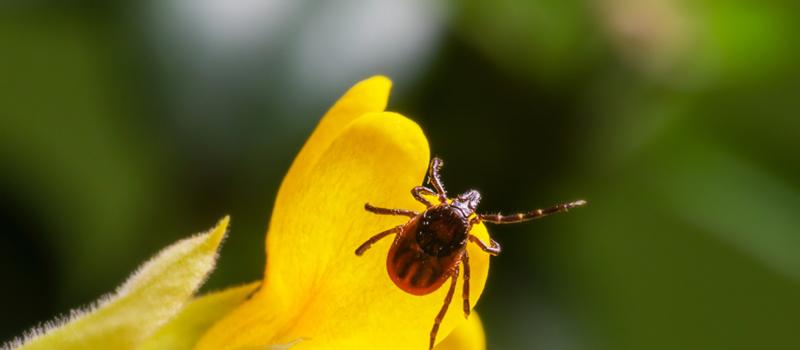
point(735, 201)
point(743, 42)
point(70, 144)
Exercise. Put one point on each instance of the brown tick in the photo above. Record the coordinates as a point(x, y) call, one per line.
point(430, 247)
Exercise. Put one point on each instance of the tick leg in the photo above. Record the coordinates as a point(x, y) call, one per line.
point(443, 311)
point(385, 211)
point(418, 191)
point(433, 178)
point(465, 291)
point(534, 214)
point(493, 250)
point(372, 240)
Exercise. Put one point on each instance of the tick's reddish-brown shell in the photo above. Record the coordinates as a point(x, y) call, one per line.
point(421, 270)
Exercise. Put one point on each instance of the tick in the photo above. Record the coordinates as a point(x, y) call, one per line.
point(430, 247)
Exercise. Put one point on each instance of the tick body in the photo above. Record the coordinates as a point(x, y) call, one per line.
point(427, 248)
point(430, 248)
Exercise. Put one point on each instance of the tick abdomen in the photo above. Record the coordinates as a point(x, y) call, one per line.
point(423, 256)
point(416, 272)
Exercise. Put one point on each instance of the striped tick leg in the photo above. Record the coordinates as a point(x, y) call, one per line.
point(465, 291)
point(443, 311)
point(372, 240)
point(493, 250)
point(531, 215)
point(384, 211)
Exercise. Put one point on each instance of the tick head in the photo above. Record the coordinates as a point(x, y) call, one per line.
point(467, 202)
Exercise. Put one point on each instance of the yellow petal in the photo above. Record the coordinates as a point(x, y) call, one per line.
point(316, 288)
point(367, 96)
point(183, 331)
point(467, 336)
point(150, 297)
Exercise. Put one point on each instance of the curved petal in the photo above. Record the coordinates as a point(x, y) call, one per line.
point(317, 288)
point(467, 336)
point(367, 96)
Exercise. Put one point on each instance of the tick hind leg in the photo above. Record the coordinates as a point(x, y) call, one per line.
point(440, 316)
point(531, 215)
point(385, 211)
point(372, 240)
point(493, 249)
point(465, 291)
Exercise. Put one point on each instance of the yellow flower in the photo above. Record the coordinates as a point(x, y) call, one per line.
point(315, 289)
point(316, 293)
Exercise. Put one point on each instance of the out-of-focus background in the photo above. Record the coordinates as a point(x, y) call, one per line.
point(125, 126)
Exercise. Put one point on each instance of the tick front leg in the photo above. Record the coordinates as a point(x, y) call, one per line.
point(433, 178)
point(465, 291)
point(533, 214)
point(418, 191)
point(447, 299)
point(386, 211)
point(372, 240)
point(494, 250)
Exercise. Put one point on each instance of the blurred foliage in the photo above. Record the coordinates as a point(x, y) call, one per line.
point(677, 120)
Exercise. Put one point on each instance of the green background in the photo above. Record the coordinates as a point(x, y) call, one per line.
point(126, 126)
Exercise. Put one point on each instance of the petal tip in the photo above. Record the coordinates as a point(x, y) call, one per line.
point(373, 91)
point(219, 231)
point(224, 221)
point(378, 81)
point(404, 133)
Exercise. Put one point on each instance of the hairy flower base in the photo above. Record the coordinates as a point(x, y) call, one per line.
point(151, 296)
